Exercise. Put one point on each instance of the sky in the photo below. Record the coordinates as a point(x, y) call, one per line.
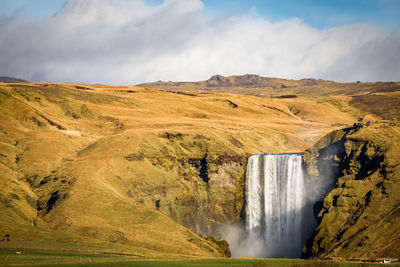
point(135, 41)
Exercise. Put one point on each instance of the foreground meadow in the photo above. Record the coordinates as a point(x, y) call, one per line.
point(40, 258)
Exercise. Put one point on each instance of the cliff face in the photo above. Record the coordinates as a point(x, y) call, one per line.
point(202, 180)
point(360, 217)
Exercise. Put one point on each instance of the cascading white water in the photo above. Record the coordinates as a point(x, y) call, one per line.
point(275, 201)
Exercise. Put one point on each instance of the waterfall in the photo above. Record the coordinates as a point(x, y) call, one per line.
point(275, 202)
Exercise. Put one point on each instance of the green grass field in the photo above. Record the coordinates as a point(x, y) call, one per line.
point(40, 258)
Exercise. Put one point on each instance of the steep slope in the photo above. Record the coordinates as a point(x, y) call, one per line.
point(359, 218)
point(385, 106)
point(52, 199)
point(104, 168)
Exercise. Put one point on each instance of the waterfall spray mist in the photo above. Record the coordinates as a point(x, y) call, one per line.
point(279, 207)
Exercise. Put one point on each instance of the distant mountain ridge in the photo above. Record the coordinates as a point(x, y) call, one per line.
point(257, 80)
point(252, 80)
point(252, 84)
point(5, 79)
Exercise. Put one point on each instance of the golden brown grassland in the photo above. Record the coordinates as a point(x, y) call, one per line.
point(82, 167)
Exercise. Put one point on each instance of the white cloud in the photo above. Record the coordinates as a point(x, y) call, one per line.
point(129, 41)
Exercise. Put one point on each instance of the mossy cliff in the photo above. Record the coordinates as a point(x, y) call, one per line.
point(203, 179)
point(360, 217)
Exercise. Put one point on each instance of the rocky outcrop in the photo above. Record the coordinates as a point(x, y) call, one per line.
point(51, 190)
point(360, 217)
